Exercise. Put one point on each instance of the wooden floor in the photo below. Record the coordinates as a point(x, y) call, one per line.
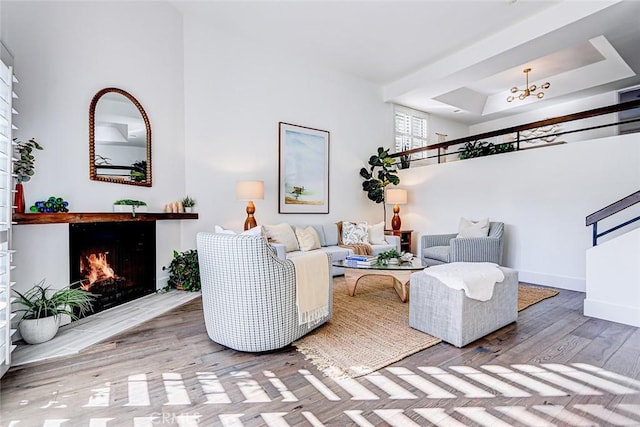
point(553, 367)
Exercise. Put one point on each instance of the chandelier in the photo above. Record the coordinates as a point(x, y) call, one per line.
point(528, 90)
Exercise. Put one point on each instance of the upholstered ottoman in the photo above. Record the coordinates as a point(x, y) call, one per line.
point(446, 313)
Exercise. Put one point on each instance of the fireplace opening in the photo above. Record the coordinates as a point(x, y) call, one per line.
point(114, 260)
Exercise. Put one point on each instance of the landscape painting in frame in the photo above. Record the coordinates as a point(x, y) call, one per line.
point(304, 169)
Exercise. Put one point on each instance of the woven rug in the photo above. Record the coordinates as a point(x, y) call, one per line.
point(529, 295)
point(371, 330)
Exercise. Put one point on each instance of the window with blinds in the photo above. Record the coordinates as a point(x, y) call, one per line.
point(6, 196)
point(410, 130)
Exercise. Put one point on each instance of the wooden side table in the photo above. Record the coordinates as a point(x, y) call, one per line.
point(405, 238)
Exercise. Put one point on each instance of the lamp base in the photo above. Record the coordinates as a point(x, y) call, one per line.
point(396, 222)
point(250, 222)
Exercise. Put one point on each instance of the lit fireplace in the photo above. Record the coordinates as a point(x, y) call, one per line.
point(95, 268)
point(114, 260)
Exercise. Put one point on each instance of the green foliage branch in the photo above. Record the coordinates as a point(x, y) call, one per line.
point(184, 271)
point(24, 166)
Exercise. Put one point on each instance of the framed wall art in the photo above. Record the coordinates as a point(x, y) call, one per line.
point(303, 179)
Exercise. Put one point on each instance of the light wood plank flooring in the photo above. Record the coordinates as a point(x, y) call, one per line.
point(553, 367)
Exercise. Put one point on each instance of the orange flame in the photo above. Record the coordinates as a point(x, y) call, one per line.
point(96, 268)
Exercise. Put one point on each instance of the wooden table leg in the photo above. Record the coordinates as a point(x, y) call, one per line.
point(400, 280)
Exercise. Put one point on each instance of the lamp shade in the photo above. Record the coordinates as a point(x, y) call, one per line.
point(396, 196)
point(250, 190)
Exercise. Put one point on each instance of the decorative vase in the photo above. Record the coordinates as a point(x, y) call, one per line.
point(19, 198)
point(36, 331)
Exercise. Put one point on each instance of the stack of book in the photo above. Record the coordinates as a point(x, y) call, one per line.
point(361, 259)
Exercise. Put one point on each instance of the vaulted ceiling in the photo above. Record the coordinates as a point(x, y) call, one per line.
point(457, 59)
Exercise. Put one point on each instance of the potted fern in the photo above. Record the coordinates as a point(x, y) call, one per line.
point(43, 307)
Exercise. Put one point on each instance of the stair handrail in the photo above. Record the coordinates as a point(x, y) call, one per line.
point(607, 211)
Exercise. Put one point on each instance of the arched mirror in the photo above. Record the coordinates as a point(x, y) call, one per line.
point(119, 139)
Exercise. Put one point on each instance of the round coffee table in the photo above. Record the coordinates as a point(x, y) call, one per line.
point(401, 273)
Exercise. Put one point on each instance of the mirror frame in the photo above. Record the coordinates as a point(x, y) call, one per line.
point(92, 140)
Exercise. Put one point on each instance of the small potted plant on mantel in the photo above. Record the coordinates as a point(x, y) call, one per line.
point(43, 308)
point(188, 203)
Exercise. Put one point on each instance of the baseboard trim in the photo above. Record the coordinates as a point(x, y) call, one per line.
point(562, 282)
point(612, 312)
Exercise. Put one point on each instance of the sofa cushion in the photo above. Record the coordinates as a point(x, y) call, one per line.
point(376, 234)
point(440, 253)
point(308, 238)
point(320, 231)
point(283, 233)
point(354, 233)
point(468, 228)
point(330, 234)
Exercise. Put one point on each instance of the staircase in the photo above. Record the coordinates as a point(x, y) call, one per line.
point(613, 268)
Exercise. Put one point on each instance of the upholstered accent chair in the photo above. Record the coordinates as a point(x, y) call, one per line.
point(444, 248)
point(249, 294)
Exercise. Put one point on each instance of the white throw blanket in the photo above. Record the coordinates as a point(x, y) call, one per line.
point(312, 286)
point(477, 279)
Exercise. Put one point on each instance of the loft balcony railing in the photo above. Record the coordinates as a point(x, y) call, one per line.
point(607, 211)
point(541, 133)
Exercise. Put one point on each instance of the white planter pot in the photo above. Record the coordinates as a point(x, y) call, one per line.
point(188, 209)
point(36, 331)
point(128, 208)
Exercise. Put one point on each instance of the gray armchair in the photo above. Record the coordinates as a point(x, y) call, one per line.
point(249, 295)
point(444, 248)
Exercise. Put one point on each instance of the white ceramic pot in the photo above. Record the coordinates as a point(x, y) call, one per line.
point(36, 331)
point(128, 208)
point(188, 209)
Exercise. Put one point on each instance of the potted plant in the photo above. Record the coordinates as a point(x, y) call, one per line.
point(128, 205)
point(23, 168)
point(381, 173)
point(391, 256)
point(184, 271)
point(43, 307)
point(188, 203)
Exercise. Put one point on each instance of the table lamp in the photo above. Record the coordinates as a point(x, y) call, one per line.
point(396, 196)
point(250, 191)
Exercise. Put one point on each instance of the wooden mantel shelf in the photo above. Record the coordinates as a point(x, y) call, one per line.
point(75, 217)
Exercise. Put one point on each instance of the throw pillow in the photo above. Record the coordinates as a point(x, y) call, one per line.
point(468, 228)
point(353, 233)
point(255, 231)
point(282, 233)
point(308, 238)
point(376, 234)
point(219, 230)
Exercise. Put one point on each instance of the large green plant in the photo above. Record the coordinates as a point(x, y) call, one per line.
point(41, 301)
point(381, 173)
point(24, 166)
point(184, 271)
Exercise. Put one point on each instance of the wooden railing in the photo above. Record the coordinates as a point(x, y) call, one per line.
point(607, 211)
point(517, 130)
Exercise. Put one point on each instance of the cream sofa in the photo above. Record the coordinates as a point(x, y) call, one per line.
point(328, 234)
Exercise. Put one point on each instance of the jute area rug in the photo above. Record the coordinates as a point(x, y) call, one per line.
point(371, 330)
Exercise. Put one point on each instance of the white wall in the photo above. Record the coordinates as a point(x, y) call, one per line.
point(613, 280)
point(236, 92)
point(64, 53)
point(542, 195)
